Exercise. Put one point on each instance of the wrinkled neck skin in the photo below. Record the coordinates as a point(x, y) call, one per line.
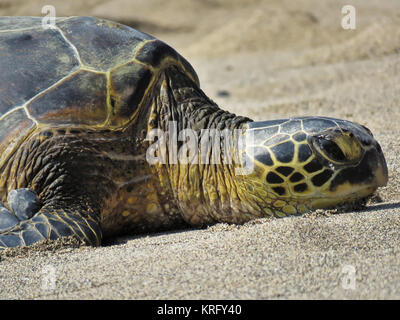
point(204, 193)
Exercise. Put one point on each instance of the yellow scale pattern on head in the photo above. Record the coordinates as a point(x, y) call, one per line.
point(284, 206)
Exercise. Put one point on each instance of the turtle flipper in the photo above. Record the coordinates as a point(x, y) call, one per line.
point(50, 222)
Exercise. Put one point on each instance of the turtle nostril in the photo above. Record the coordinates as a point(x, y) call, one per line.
point(366, 142)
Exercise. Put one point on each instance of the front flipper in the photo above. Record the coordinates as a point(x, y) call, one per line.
point(23, 203)
point(23, 226)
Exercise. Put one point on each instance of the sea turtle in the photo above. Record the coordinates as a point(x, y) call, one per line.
point(78, 102)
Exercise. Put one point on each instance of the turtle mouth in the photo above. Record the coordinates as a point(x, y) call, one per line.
point(354, 197)
point(382, 174)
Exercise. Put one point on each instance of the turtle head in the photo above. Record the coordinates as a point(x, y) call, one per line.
point(313, 162)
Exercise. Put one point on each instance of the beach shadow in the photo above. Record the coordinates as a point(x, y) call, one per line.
point(123, 239)
point(383, 206)
point(369, 208)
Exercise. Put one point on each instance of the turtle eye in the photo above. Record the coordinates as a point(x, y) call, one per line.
point(331, 149)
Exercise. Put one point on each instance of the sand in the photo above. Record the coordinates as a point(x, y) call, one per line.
point(266, 60)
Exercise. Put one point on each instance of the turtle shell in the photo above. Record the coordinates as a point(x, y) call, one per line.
point(84, 71)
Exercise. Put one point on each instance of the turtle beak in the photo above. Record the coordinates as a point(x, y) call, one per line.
point(381, 172)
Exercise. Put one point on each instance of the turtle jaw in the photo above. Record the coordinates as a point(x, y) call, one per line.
point(381, 174)
point(352, 195)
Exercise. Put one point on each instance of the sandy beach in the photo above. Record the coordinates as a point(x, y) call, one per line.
point(267, 60)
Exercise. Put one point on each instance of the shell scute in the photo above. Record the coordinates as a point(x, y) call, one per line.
point(31, 61)
point(127, 87)
point(79, 99)
point(103, 44)
point(86, 71)
point(155, 52)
